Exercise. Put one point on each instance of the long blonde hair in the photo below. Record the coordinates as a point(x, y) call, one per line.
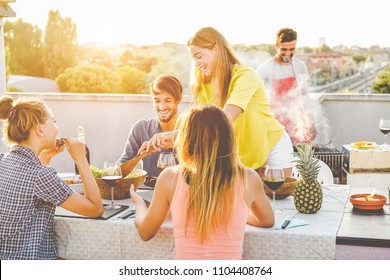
point(207, 153)
point(20, 116)
point(208, 38)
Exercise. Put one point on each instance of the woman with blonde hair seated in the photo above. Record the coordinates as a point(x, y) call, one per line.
point(210, 194)
point(30, 188)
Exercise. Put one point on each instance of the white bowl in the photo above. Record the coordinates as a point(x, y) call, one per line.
point(78, 187)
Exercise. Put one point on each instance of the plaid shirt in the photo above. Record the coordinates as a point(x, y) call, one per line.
point(29, 194)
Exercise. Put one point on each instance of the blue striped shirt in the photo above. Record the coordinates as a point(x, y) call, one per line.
point(29, 194)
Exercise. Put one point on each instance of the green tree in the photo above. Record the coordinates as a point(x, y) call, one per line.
point(7, 71)
point(24, 42)
point(132, 80)
point(126, 58)
point(382, 82)
point(7, 56)
point(88, 78)
point(324, 48)
point(358, 58)
point(101, 57)
point(306, 49)
point(60, 44)
point(143, 63)
point(369, 58)
point(178, 65)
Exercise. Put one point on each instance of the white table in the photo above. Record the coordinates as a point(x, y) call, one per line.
point(116, 238)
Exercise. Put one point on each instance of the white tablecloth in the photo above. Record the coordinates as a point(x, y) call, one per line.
point(118, 239)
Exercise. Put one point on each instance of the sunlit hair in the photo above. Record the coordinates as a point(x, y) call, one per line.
point(286, 35)
point(207, 38)
point(207, 151)
point(168, 84)
point(20, 116)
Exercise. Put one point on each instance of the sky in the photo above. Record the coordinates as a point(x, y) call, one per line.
point(151, 22)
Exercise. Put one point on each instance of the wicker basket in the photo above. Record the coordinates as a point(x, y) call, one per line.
point(284, 191)
point(122, 189)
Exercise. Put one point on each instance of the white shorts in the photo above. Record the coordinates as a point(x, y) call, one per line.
point(282, 154)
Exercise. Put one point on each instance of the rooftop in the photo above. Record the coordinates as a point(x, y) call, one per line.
point(107, 119)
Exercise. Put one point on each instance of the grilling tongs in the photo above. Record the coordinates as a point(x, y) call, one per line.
point(129, 165)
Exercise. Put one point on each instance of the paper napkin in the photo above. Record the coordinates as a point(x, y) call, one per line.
point(295, 222)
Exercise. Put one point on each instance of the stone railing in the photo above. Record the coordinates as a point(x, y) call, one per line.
point(107, 119)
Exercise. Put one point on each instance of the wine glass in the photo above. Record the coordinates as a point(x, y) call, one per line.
point(273, 179)
point(384, 127)
point(111, 175)
point(165, 159)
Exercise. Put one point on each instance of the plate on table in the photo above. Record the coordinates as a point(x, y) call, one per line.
point(365, 145)
point(73, 181)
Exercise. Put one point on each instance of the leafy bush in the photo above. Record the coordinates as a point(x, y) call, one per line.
point(89, 78)
point(382, 82)
point(132, 80)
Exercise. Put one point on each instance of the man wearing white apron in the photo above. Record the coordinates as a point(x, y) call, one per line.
point(284, 77)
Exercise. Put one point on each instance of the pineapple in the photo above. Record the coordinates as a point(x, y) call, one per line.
point(308, 192)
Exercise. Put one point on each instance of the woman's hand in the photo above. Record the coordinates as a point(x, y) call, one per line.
point(47, 154)
point(137, 200)
point(76, 149)
point(149, 219)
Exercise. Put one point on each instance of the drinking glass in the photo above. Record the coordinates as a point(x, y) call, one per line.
point(273, 179)
point(384, 127)
point(165, 159)
point(111, 175)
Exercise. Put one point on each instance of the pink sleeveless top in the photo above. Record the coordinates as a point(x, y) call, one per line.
point(226, 244)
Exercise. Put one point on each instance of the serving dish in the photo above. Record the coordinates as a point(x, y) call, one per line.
point(122, 189)
point(285, 190)
point(365, 145)
point(74, 182)
point(365, 201)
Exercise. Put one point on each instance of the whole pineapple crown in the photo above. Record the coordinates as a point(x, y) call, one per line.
point(307, 164)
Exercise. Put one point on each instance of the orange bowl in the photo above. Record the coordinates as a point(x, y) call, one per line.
point(122, 189)
point(285, 190)
point(359, 202)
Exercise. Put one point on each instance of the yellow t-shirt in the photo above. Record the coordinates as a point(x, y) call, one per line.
point(256, 128)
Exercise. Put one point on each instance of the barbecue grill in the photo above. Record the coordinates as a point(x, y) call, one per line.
point(333, 158)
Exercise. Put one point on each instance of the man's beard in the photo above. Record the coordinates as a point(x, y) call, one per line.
point(286, 58)
point(167, 119)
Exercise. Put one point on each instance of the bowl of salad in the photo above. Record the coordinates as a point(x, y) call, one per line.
point(122, 188)
point(74, 182)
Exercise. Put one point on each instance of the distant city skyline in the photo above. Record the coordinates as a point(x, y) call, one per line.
point(150, 22)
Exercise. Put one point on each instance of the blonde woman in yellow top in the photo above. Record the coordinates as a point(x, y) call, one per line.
point(220, 79)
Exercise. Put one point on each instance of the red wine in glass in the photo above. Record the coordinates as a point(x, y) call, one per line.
point(273, 185)
point(385, 130)
point(384, 127)
point(111, 180)
point(273, 179)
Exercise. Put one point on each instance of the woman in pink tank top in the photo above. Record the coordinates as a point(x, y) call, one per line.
point(210, 194)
